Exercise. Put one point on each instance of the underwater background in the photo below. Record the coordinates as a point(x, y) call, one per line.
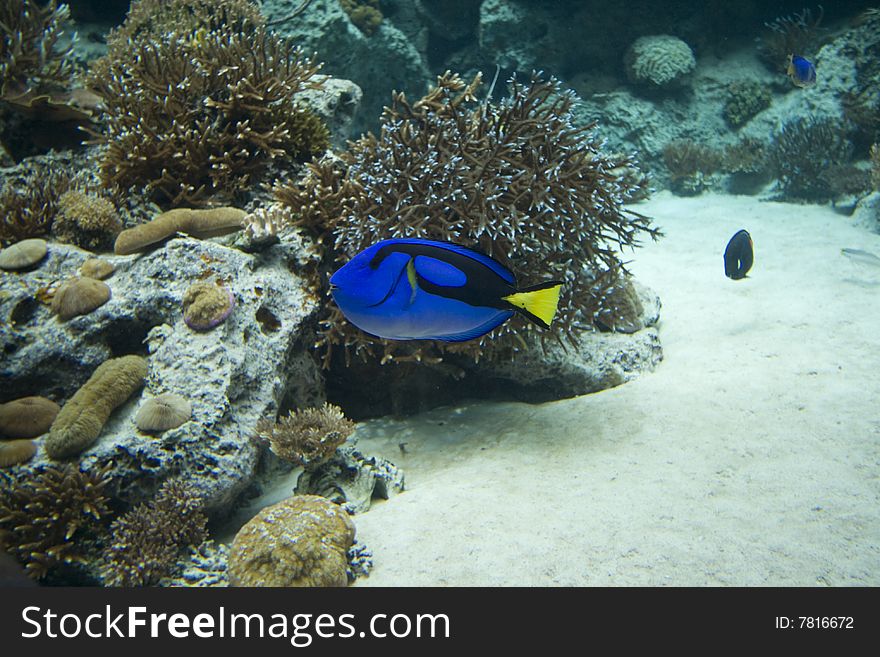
point(183, 403)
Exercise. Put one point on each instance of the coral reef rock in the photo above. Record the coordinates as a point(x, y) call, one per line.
point(352, 480)
point(379, 63)
point(232, 376)
point(301, 541)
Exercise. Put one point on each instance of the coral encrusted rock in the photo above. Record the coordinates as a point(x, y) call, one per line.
point(301, 541)
point(257, 361)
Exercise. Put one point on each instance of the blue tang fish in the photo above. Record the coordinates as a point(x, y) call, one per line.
point(801, 71)
point(415, 289)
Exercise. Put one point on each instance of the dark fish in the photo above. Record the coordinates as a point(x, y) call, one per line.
point(739, 255)
point(415, 289)
point(801, 71)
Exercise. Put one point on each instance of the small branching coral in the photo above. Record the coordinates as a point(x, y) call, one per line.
point(29, 202)
point(148, 540)
point(308, 437)
point(201, 110)
point(747, 156)
point(804, 150)
point(30, 58)
point(690, 165)
point(40, 107)
point(797, 34)
point(46, 517)
point(515, 180)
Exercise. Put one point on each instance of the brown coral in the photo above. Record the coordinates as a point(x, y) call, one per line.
point(148, 540)
point(81, 419)
point(196, 223)
point(308, 437)
point(163, 412)
point(302, 541)
point(14, 452)
point(97, 269)
point(200, 110)
point(27, 417)
point(86, 220)
point(45, 516)
point(796, 34)
point(79, 296)
point(206, 305)
point(29, 202)
point(23, 255)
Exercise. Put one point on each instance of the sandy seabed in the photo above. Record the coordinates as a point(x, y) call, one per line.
point(751, 456)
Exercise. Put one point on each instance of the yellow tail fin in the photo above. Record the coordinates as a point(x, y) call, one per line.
point(538, 303)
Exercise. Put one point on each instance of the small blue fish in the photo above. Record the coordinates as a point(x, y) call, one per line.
point(801, 71)
point(415, 289)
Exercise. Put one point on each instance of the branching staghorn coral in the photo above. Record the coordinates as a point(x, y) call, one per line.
point(308, 437)
point(148, 540)
point(200, 111)
point(29, 202)
point(804, 150)
point(40, 107)
point(30, 59)
point(515, 180)
point(44, 516)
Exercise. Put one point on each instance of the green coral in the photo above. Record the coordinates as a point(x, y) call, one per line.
point(48, 517)
point(148, 540)
point(203, 109)
point(745, 99)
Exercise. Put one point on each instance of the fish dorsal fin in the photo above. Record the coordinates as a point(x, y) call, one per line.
point(439, 272)
point(477, 256)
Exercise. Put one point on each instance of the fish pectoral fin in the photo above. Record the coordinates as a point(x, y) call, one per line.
point(412, 278)
point(538, 303)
